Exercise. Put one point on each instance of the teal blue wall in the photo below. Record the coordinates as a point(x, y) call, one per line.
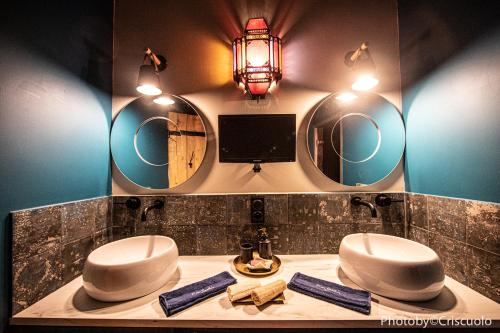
point(55, 109)
point(450, 64)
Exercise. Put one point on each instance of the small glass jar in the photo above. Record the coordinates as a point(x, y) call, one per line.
point(265, 251)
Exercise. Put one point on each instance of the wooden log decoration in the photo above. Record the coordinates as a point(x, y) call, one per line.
point(241, 290)
point(267, 292)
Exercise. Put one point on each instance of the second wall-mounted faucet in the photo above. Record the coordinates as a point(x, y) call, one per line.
point(383, 200)
point(357, 201)
point(157, 204)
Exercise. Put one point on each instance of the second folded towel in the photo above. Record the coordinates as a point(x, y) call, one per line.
point(354, 299)
point(182, 298)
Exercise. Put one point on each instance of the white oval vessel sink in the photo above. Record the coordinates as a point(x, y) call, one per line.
point(129, 268)
point(392, 266)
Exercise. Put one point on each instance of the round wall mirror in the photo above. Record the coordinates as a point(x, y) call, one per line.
point(356, 141)
point(158, 146)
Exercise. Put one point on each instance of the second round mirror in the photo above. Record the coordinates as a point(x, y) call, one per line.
point(356, 141)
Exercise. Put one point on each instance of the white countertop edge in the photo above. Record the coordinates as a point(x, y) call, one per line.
point(226, 323)
point(187, 323)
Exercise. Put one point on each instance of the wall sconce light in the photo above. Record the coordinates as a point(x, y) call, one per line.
point(346, 97)
point(364, 68)
point(148, 82)
point(164, 100)
point(257, 58)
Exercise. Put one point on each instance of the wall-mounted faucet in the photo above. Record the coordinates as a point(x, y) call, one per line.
point(383, 200)
point(133, 203)
point(356, 201)
point(157, 204)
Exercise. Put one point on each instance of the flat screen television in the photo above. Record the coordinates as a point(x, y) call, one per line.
point(257, 138)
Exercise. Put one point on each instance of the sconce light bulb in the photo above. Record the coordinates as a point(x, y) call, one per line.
point(148, 82)
point(364, 83)
point(149, 89)
point(346, 97)
point(257, 61)
point(164, 100)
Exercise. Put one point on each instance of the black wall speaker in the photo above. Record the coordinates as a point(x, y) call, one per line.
point(257, 210)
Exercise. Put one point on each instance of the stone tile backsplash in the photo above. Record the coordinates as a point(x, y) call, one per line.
point(464, 233)
point(50, 244)
point(296, 223)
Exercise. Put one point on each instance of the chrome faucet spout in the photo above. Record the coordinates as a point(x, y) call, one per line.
point(157, 204)
point(357, 201)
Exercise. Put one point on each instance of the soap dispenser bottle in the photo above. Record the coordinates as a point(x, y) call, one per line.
point(265, 251)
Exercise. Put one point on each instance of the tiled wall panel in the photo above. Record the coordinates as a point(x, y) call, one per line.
point(296, 223)
point(464, 233)
point(50, 245)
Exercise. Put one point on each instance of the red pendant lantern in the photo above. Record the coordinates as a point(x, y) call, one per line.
point(257, 60)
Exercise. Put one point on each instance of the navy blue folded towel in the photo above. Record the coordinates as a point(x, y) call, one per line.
point(354, 299)
point(182, 298)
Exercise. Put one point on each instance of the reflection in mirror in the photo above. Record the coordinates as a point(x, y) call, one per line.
point(150, 138)
point(346, 129)
point(158, 146)
point(356, 141)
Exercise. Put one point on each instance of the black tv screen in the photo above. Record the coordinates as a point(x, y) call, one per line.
point(257, 138)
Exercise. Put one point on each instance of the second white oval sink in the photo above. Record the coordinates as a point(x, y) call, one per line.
point(392, 266)
point(129, 268)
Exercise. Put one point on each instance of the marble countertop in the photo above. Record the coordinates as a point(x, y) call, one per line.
point(71, 306)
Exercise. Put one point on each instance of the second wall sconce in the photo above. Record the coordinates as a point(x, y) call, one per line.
point(148, 82)
point(360, 60)
point(257, 58)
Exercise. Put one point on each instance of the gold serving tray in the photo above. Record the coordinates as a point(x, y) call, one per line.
point(243, 269)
